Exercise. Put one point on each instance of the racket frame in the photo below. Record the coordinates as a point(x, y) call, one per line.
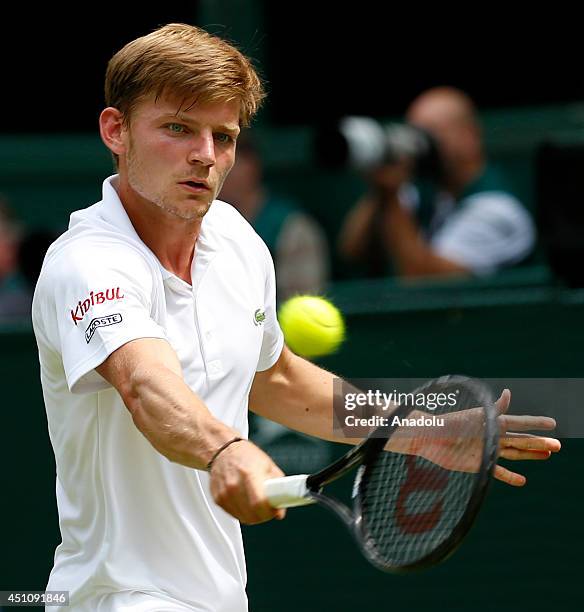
point(364, 454)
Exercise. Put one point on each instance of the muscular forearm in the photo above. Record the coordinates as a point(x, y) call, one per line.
point(147, 374)
point(300, 395)
point(296, 394)
point(172, 418)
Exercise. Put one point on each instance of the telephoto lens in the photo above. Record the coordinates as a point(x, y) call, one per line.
point(362, 143)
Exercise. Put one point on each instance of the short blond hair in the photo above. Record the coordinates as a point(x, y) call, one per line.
point(182, 60)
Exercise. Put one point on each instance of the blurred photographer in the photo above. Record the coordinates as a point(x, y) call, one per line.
point(15, 296)
point(463, 221)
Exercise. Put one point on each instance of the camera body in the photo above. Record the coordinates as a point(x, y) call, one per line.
point(362, 144)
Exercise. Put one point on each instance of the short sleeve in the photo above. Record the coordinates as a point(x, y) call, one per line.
point(103, 299)
point(273, 338)
point(491, 230)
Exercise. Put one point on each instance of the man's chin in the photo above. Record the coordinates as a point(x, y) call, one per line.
point(203, 210)
point(195, 213)
point(190, 211)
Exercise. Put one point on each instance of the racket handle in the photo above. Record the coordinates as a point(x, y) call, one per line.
point(288, 492)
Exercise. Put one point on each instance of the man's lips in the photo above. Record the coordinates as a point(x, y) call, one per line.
point(195, 186)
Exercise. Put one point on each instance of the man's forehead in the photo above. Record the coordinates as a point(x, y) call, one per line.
point(439, 109)
point(187, 108)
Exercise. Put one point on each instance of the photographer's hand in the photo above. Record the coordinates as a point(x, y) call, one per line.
point(387, 179)
point(401, 238)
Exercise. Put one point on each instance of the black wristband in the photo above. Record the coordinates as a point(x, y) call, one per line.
point(219, 451)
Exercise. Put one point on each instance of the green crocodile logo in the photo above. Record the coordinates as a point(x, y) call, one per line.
point(259, 317)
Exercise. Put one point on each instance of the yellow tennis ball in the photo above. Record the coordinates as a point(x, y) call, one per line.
point(312, 326)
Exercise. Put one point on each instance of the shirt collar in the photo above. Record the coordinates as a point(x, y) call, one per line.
point(113, 212)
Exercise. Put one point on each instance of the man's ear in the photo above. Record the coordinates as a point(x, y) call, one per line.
point(111, 129)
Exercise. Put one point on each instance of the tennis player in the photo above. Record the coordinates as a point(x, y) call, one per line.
point(156, 326)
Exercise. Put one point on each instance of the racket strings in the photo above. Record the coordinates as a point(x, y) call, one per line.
point(411, 504)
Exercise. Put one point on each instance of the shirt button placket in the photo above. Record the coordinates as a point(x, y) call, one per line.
point(210, 352)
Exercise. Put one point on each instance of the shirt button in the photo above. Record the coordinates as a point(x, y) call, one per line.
point(215, 367)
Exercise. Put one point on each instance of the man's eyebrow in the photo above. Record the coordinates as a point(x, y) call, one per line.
point(232, 128)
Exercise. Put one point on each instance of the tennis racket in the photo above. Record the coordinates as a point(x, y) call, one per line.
point(411, 509)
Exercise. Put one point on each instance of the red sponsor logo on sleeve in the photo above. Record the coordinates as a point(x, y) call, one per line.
point(95, 297)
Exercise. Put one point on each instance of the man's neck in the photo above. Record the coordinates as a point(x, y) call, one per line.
point(169, 237)
point(464, 175)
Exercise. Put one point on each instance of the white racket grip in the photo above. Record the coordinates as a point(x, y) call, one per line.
point(288, 492)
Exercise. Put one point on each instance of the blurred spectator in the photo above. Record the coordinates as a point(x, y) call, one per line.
point(297, 244)
point(21, 258)
point(15, 296)
point(468, 222)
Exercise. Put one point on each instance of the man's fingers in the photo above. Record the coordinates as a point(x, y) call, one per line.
point(502, 404)
point(529, 442)
point(234, 504)
point(238, 484)
point(258, 503)
point(278, 513)
point(257, 515)
point(524, 423)
point(257, 510)
point(517, 454)
point(519, 422)
point(511, 478)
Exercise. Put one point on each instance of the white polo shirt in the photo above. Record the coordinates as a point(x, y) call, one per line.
point(131, 521)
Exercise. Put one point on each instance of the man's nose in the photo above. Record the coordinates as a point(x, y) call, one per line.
point(203, 150)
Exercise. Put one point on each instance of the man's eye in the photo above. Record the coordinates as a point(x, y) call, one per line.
point(175, 128)
point(223, 138)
